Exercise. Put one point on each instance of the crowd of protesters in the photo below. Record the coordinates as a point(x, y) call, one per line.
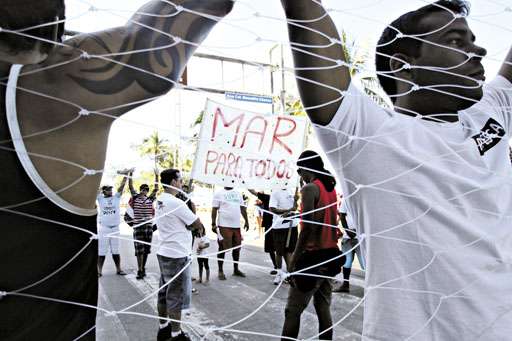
point(300, 227)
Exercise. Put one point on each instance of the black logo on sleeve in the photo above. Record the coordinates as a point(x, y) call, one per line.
point(489, 136)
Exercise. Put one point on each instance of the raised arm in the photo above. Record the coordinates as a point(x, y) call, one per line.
point(120, 189)
point(130, 183)
point(506, 68)
point(155, 188)
point(310, 30)
point(139, 60)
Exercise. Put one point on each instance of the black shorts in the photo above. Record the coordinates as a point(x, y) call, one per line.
point(285, 240)
point(32, 247)
point(269, 240)
point(143, 233)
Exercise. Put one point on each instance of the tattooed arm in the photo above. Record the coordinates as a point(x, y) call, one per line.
point(128, 66)
point(142, 59)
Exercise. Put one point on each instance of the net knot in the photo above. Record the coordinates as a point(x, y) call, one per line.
point(3, 294)
point(399, 35)
point(285, 275)
point(90, 172)
point(111, 313)
point(1, 29)
point(177, 40)
point(179, 8)
point(335, 41)
point(415, 87)
point(406, 66)
point(340, 62)
point(85, 55)
point(94, 237)
point(84, 112)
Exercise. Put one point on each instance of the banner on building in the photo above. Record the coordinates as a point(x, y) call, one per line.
point(237, 148)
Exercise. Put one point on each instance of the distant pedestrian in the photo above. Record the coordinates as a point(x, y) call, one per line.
point(109, 218)
point(283, 204)
point(349, 246)
point(267, 223)
point(143, 213)
point(227, 208)
point(318, 243)
point(203, 244)
point(175, 221)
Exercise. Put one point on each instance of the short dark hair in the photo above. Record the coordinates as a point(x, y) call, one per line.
point(310, 161)
point(407, 24)
point(167, 175)
point(20, 14)
point(143, 186)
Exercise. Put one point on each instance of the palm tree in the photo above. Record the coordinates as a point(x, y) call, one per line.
point(357, 58)
point(158, 149)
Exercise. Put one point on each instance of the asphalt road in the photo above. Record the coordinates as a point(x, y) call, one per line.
point(241, 309)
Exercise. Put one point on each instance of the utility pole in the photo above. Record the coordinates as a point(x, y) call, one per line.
point(283, 91)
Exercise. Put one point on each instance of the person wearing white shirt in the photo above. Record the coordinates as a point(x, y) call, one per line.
point(175, 222)
point(109, 218)
point(284, 231)
point(428, 176)
point(227, 207)
point(349, 246)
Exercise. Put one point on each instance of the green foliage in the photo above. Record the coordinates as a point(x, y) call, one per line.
point(163, 154)
point(199, 119)
point(357, 58)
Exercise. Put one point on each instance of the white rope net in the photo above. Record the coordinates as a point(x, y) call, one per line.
point(491, 17)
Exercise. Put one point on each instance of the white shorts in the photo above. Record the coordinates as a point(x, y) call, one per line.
point(105, 242)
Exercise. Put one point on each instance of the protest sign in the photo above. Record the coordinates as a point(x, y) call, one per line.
point(237, 148)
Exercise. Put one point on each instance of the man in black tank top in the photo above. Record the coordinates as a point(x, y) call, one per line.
point(48, 280)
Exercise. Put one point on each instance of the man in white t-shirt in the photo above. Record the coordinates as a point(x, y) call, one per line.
point(227, 207)
point(349, 246)
point(109, 218)
point(429, 180)
point(175, 222)
point(283, 203)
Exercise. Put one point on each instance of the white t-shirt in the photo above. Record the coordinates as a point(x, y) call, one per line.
point(282, 199)
point(228, 202)
point(108, 210)
point(348, 217)
point(172, 218)
point(435, 207)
